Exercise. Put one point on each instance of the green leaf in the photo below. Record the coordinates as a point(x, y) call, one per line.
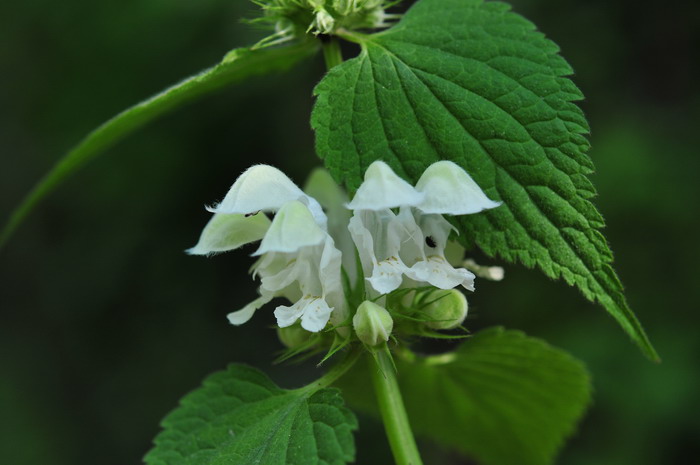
point(239, 416)
point(237, 65)
point(502, 398)
point(472, 82)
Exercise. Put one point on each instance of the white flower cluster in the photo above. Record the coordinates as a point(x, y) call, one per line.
point(397, 230)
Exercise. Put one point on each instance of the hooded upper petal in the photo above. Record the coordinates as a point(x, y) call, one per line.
point(260, 187)
point(448, 189)
point(264, 187)
point(382, 189)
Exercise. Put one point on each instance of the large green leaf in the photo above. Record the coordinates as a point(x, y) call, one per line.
point(237, 65)
point(502, 398)
point(239, 416)
point(472, 82)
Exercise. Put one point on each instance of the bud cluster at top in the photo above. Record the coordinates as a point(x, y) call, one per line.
point(294, 18)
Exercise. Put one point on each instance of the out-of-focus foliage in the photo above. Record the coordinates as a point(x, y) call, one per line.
point(105, 322)
point(499, 387)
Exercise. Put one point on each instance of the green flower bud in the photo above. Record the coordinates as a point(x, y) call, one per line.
point(447, 309)
point(372, 323)
point(293, 336)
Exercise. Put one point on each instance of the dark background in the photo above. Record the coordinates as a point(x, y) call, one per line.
point(105, 323)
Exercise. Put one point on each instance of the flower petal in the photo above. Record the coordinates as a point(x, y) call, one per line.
point(246, 313)
point(382, 189)
point(313, 311)
point(260, 187)
point(322, 187)
point(436, 231)
point(436, 271)
point(293, 227)
point(387, 275)
point(226, 232)
point(492, 273)
point(362, 237)
point(287, 316)
point(450, 190)
point(316, 315)
point(329, 272)
point(284, 278)
point(412, 242)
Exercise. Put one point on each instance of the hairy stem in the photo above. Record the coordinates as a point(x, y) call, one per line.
point(331, 52)
point(398, 430)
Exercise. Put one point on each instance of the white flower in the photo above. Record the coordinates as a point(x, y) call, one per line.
point(411, 243)
point(397, 230)
point(298, 259)
point(377, 231)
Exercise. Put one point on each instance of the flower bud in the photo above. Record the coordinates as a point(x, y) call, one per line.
point(447, 309)
point(324, 22)
point(293, 336)
point(372, 323)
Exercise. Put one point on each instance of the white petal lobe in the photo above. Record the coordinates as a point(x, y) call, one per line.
point(316, 315)
point(436, 271)
point(387, 275)
point(246, 313)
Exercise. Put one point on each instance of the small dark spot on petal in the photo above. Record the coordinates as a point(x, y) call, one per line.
point(430, 242)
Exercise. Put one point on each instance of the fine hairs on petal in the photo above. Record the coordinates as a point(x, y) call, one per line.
point(260, 187)
point(226, 232)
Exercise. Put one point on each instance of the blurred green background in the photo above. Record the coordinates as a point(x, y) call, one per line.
point(105, 323)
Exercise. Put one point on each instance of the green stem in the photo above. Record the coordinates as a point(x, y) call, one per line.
point(398, 430)
point(332, 53)
point(338, 370)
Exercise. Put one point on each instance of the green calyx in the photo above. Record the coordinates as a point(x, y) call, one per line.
point(372, 323)
point(445, 309)
point(294, 337)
